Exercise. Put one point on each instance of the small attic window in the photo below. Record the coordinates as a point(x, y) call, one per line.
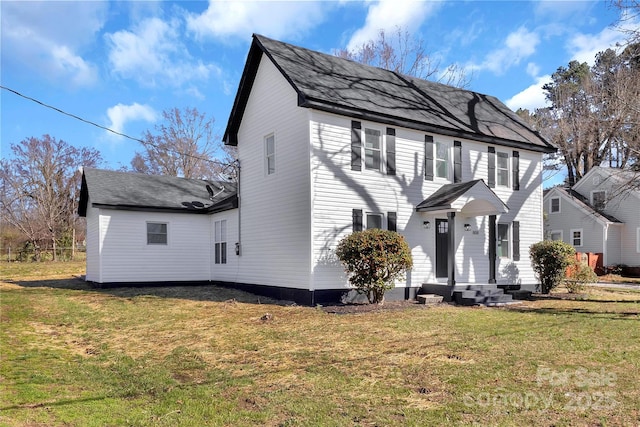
point(596, 180)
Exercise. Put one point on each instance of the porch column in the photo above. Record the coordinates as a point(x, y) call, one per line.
point(451, 256)
point(492, 249)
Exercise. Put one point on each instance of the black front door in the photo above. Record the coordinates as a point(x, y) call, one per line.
point(442, 247)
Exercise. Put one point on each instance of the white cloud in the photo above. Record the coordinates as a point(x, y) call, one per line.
point(532, 97)
point(560, 10)
point(81, 72)
point(48, 38)
point(533, 69)
point(152, 54)
point(278, 19)
point(391, 14)
point(584, 47)
point(518, 45)
point(120, 114)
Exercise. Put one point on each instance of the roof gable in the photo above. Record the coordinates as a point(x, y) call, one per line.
point(473, 198)
point(329, 83)
point(582, 203)
point(615, 177)
point(132, 191)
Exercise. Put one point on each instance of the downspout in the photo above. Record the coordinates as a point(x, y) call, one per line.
point(239, 242)
point(605, 235)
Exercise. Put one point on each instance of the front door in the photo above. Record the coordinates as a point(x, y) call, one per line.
point(442, 247)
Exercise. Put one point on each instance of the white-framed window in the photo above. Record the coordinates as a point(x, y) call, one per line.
point(372, 149)
point(556, 235)
point(220, 242)
point(441, 163)
point(157, 233)
point(576, 237)
point(374, 220)
point(270, 154)
point(598, 199)
point(502, 169)
point(554, 205)
point(503, 241)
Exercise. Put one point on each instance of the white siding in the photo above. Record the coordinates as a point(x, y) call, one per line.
point(337, 190)
point(614, 245)
point(93, 244)
point(625, 208)
point(275, 209)
point(570, 218)
point(125, 255)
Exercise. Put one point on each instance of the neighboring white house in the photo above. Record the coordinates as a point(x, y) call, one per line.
point(327, 146)
point(600, 214)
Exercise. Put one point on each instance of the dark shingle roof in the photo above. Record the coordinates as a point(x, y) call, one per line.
point(132, 191)
point(584, 203)
point(445, 196)
point(341, 86)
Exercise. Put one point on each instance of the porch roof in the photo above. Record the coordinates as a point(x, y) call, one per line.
point(472, 198)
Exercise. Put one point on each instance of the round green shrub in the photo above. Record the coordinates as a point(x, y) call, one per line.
point(550, 259)
point(373, 259)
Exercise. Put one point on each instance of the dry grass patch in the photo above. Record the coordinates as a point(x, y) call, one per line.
point(73, 355)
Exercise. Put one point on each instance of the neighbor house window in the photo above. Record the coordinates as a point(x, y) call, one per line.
point(556, 235)
point(372, 149)
point(598, 199)
point(555, 205)
point(220, 242)
point(270, 154)
point(374, 220)
point(576, 238)
point(503, 241)
point(502, 169)
point(442, 160)
point(156, 233)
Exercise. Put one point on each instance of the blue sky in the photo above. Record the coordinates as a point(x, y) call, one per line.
point(121, 63)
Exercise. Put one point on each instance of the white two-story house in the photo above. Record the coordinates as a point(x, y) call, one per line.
point(327, 146)
point(600, 215)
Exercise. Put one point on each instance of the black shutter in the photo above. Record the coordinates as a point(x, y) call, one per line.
point(392, 219)
point(357, 220)
point(492, 167)
point(516, 240)
point(457, 161)
point(391, 151)
point(428, 157)
point(356, 146)
point(516, 170)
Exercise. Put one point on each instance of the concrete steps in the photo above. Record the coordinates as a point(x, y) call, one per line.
point(488, 295)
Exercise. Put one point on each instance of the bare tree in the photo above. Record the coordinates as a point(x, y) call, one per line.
point(39, 188)
point(404, 54)
point(630, 12)
point(594, 115)
point(184, 145)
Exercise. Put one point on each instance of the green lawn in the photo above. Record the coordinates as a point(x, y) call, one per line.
point(72, 355)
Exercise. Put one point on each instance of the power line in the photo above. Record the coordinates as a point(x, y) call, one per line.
point(111, 130)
